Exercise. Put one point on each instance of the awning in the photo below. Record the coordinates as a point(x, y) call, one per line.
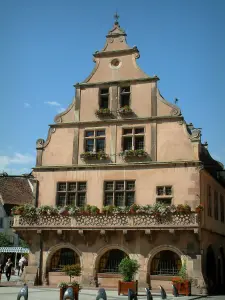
point(14, 250)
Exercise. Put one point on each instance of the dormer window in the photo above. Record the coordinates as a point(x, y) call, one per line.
point(125, 96)
point(104, 98)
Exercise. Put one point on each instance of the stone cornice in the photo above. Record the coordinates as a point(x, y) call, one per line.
point(118, 121)
point(115, 52)
point(128, 81)
point(142, 165)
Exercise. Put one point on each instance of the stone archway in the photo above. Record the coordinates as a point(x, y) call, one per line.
point(211, 272)
point(170, 257)
point(106, 265)
point(64, 253)
point(222, 273)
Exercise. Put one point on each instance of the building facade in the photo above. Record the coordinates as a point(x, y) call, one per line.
point(118, 144)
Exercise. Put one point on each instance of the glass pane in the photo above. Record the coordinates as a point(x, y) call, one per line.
point(89, 133)
point(127, 131)
point(108, 199)
point(89, 145)
point(130, 185)
point(62, 186)
point(81, 199)
point(166, 201)
point(127, 143)
point(125, 100)
point(129, 198)
point(138, 130)
point(100, 145)
point(125, 89)
point(71, 199)
point(119, 199)
point(109, 185)
point(160, 190)
point(139, 143)
point(72, 186)
point(100, 132)
point(104, 91)
point(104, 102)
point(81, 186)
point(61, 199)
point(120, 185)
point(168, 190)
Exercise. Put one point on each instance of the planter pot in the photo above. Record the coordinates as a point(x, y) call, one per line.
point(123, 287)
point(184, 287)
point(75, 291)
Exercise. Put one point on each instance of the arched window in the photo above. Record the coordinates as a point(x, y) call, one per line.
point(109, 262)
point(62, 257)
point(166, 263)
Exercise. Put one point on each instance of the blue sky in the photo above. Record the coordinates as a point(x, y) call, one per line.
point(47, 46)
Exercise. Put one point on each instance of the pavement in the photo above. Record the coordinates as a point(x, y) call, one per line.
point(9, 291)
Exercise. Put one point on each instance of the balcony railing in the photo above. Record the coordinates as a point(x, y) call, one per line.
point(109, 221)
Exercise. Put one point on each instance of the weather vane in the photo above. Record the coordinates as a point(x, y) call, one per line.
point(116, 17)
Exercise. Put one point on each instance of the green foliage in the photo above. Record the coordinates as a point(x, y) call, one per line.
point(72, 270)
point(4, 242)
point(23, 244)
point(128, 268)
point(183, 271)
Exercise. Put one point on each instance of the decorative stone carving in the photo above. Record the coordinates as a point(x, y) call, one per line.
point(122, 221)
point(53, 130)
point(194, 133)
point(181, 122)
point(40, 143)
point(175, 111)
point(58, 119)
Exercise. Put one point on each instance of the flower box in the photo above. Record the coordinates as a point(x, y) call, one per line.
point(123, 287)
point(94, 155)
point(183, 286)
point(125, 110)
point(127, 154)
point(103, 112)
point(75, 291)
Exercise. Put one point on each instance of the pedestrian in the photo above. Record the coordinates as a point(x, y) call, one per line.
point(22, 263)
point(8, 269)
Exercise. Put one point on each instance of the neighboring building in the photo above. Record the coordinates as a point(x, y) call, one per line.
point(119, 108)
point(14, 190)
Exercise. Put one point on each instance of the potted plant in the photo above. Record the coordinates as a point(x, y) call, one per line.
point(125, 110)
point(103, 112)
point(128, 268)
point(71, 271)
point(199, 208)
point(182, 282)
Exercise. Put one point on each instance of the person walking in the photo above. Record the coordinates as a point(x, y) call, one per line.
point(8, 269)
point(22, 263)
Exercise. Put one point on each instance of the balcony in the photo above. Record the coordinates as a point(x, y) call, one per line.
point(101, 221)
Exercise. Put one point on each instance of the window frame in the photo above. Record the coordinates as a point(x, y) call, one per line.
point(94, 137)
point(216, 205)
point(222, 217)
point(133, 135)
point(124, 93)
point(100, 95)
point(114, 191)
point(209, 200)
point(164, 196)
point(67, 192)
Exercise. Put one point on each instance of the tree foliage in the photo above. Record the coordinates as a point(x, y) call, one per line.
point(4, 242)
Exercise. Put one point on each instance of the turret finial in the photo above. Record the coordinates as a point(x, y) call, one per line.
point(116, 17)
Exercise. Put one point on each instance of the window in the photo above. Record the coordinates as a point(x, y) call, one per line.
point(71, 193)
point(104, 98)
point(209, 201)
point(125, 96)
point(62, 257)
point(221, 209)
point(119, 193)
point(133, 138)
point(216, 206)
point(1, 222)
point(94, 140)
point(164, 194)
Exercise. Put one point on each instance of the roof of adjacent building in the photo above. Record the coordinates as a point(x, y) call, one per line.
point(15, 190)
